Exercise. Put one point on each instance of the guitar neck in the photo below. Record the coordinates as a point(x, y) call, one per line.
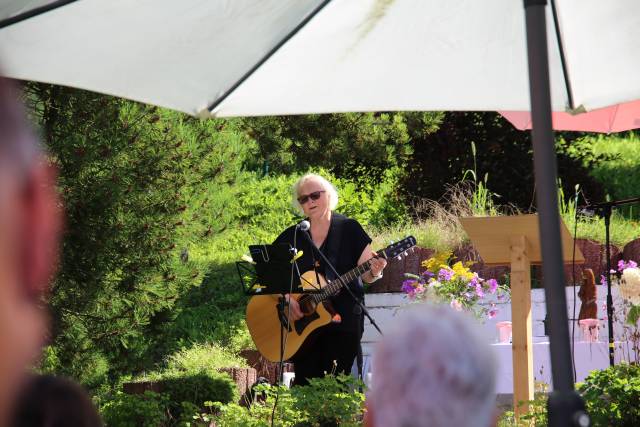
point(333, 287)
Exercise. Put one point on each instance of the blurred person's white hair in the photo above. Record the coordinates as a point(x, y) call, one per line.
point(326, 186)
point(433, 368)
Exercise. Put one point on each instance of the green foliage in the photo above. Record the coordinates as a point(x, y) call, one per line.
point(612, 395)
point(537, 414)
point(132, 410)
point(198, 387)
point(203, 357)
point(355, 146)
point(328, 401)
point(622, 230)
point(504, 153)
point(617, 167)
point(331, 400)
point(135, 182)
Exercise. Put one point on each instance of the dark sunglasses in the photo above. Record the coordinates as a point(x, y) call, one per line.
point(313, 196)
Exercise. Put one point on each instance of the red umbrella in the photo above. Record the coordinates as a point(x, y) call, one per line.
point(616, 118)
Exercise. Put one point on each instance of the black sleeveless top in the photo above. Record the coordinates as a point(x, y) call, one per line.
point(343, 246)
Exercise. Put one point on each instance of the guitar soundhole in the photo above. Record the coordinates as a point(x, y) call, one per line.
point(307, 306)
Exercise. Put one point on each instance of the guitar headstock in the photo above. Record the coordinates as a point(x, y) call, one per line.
point(398, 248)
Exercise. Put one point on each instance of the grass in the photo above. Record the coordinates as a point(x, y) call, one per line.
point(622, 229)
point(620, 174)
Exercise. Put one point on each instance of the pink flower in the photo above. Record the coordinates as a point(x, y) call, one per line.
point(455, 304)
point(492, 313)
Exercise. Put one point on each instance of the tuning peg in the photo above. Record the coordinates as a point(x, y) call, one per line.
point(399, 257)
point(405, 253)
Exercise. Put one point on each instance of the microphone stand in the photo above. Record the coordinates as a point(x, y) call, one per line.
point(362, 307)
point(604, 209)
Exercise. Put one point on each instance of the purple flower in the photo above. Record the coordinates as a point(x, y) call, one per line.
point(445, 274)
point(622, 265)
point(479, 291)
point(409, 286)
point(493, 285)
point(468, 295)
point(603, 280)
point(492, 313)
point(428, 274)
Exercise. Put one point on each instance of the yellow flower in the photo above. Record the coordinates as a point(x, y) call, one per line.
point(437, 262)
point(461, 271)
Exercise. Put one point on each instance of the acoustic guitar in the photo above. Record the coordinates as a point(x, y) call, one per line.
point(266, 321)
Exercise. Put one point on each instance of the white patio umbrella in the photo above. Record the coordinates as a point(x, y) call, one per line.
point(267, 57)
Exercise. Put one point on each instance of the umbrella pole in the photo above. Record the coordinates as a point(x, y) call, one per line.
point(565, 406)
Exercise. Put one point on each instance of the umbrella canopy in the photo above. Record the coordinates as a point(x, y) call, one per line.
point(617, 118)
point(257, 57)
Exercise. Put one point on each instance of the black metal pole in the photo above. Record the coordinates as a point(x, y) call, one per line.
point(34, 12)
point(605, 210)
point(607, 223)
point(565, 406)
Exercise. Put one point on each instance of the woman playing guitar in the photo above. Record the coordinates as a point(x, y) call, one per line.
point(342, 240)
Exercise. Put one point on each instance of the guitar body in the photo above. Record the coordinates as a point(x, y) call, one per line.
point(263, 321)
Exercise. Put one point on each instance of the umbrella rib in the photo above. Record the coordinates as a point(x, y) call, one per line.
point(268, 55)
point(33, 12)
point(565, 72)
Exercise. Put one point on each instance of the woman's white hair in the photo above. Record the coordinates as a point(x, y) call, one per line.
point(326, 186)
point(433, 369)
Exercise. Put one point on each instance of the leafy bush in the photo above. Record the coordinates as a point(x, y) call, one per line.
point(135, 181)
point(131, 410)
point(612, 395)
point(198, 387)
point(441, 158)
point(204, 357)
point(358, 147)
point(616, 167)
point(328, 401)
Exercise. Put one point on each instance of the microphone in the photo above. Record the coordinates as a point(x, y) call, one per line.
point(304, 225)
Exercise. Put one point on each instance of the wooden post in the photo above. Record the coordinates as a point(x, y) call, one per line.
point(522, 347)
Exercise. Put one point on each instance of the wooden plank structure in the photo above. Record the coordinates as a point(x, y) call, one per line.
point(515, 240)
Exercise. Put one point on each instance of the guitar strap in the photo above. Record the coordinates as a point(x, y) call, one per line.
point(332, 247)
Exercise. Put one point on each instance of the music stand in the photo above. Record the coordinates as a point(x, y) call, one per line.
point(270, 272)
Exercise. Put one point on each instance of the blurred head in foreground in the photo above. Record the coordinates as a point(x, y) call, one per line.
point(29, 230)
point(54, 402)
point(433, 368)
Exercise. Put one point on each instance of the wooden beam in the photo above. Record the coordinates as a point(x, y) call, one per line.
point(522, 347)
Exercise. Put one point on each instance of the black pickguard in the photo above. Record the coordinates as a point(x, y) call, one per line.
point(301, 324)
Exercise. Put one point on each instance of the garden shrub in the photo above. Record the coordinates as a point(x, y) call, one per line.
point(135, 410)
point(196, 388)
point(328, 401)
point(612, 395)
